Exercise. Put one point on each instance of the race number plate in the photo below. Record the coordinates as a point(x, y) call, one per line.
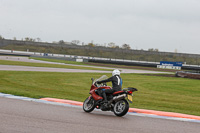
point(130, 98)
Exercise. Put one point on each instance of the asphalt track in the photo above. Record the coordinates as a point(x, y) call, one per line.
point(133, 111)
point(18, 116)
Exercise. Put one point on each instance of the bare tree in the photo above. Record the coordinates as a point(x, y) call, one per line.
point(126, 46)
point(29, 39)
point(155, 50)
point(61, 42)
point(26, 39)
point(38, 39)
point(76, 42)
point(111, 45)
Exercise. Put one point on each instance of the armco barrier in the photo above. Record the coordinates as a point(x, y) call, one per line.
point(188, 74)
point(146, 64)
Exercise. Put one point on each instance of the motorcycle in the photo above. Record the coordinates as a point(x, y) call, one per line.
point(117, 102)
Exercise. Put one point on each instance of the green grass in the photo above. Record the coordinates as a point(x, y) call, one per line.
point(154, 92)
point(20, 63)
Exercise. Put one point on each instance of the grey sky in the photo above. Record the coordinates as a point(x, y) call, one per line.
point(163, 24)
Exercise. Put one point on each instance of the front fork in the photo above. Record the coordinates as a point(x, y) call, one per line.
point(89, 99)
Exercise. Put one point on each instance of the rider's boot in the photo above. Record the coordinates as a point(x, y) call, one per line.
point(104, 98)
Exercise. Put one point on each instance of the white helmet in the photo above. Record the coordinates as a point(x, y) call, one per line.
point(115, 72)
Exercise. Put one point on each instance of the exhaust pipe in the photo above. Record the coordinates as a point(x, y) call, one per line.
point(117, 98)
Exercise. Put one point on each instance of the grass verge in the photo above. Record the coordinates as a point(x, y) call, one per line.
point(155, 92)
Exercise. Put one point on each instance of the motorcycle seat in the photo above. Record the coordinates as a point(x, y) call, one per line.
point(118, 92)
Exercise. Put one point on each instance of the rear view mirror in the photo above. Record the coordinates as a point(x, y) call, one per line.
point(92, 80)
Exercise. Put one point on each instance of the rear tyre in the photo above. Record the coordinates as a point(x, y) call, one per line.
point(121, 107)
point(88, 105)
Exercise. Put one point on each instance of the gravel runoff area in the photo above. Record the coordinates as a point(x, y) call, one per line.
point(48, 69)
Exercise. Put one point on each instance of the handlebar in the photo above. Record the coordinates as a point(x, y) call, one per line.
point(99, 85)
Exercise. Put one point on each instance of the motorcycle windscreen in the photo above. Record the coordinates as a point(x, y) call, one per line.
point(101, 78)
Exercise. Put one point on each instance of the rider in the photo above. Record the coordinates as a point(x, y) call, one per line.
point(116, 84)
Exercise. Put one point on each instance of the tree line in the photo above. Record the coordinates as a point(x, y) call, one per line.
point(78, 42)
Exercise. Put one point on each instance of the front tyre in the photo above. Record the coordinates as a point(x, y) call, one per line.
point(121, 107)
point(89, 104)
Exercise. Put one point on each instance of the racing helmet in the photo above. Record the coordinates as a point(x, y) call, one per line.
point(115, 72)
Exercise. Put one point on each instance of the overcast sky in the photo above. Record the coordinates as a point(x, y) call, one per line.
point(163, 24)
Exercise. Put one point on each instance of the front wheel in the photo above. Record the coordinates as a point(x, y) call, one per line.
point(121, 107)
point(89, 104)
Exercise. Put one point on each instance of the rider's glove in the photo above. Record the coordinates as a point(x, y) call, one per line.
point(98, 82)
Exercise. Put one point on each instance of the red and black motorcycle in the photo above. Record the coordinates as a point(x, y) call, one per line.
point(117, 102)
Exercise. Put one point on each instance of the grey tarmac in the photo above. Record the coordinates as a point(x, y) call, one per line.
point(18, 116)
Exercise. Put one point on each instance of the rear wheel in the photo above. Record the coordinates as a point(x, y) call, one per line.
point(121, 107)
point(89, 104)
